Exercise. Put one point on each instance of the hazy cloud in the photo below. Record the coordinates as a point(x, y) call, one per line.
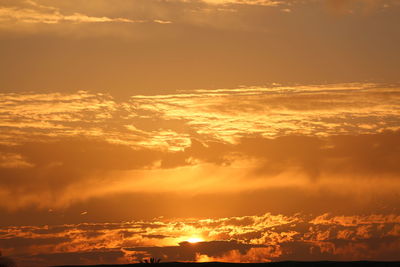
point(237, 140)
point(349, 6)
point(73, 162)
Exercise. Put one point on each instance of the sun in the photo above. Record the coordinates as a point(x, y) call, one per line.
point(195, 240)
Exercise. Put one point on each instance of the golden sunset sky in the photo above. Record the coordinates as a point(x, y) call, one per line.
point(199, 130)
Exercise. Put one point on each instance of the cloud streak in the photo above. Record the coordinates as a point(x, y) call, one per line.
point(348, 6)
point(35, 16)
point(30, 12)
point(243, 2)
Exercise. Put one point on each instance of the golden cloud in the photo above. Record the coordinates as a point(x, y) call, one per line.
point(31, 12)
point(224, 141)
point(243, 2)
point(235, 239)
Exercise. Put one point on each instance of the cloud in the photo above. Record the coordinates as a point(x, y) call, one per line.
point(74, 162)
point(328, 219)
point(18, 243)
point(203, 141)
point(36, 13)
point(348, 6)
point(253, 255)
point(7, 262)
point(31, 12)
point(235, 239)
point(74, 258)
point(226, 114)
point(189, 252)
point(367, 155)
point(12, 160)
point(35, 16)
point(243, 2)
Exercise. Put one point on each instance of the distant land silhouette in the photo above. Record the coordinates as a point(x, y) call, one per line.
point(268, 264)
point(6, 262)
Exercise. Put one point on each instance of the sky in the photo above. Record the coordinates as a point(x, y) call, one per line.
point(199, 130)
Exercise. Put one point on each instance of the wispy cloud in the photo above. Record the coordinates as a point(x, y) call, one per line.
point(226, 115)
point(35, 16)
point(31, 12)
point(12, 160)
point(244, 2)
point(348, 6)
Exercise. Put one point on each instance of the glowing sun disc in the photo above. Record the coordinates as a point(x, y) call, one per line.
point(195, 240)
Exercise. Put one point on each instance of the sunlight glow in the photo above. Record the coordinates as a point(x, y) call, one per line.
point(195, 240)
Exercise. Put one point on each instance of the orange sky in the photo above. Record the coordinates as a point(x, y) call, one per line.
point(267, 129)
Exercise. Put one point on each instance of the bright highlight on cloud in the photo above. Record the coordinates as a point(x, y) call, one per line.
point(33, 16)
point(31, 12)
point(224, 115)
point(243, 2)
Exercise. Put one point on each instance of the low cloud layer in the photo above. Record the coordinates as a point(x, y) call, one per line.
point(234, 239)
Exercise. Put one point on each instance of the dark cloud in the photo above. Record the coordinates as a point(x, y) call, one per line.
point(58, 164)
point(361, 155)
point(7, 262)
point(20, 243)
point(187, 251)
point(283, 153)
point(155, 236)
point(367, 154)
point(212, 152)
point(257, 238)
point(364, 5)
point(72, 258)
point(356, 155)
point(378, 249)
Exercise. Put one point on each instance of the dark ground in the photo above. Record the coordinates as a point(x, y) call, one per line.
point(271, 264)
